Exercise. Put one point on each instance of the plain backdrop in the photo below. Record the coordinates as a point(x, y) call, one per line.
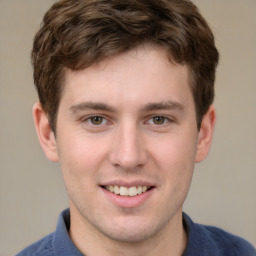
point(223, 191)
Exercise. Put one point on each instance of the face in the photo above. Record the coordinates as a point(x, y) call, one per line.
point(127, 141)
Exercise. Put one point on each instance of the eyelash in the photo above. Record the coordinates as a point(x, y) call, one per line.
point(90, 118)
point(165, 120)
point(150, 120)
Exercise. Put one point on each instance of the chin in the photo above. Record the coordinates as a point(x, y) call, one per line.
point(127, 236)
point(132, 231)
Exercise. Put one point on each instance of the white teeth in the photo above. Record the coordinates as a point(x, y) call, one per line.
point(139, 190)
point(125, 191)
point(116, 189)
point(133, 191)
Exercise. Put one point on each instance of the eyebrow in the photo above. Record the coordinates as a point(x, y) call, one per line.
point(166, 105)
point(90, 105)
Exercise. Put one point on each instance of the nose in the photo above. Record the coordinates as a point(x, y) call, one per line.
point(128, 150)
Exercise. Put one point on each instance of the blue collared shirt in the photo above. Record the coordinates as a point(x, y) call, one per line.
point(202, 241)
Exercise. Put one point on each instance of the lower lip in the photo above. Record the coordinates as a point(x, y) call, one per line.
point(128, 201)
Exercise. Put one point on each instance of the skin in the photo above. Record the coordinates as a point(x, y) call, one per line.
point(145, 132)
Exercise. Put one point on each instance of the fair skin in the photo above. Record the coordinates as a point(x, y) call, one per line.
point(127, 124)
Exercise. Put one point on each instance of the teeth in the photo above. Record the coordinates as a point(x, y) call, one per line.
point(116, 190)
point(125, 191)
point(133, 191)
point(139, 190)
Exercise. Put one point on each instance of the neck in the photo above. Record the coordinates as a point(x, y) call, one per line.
point(90, 241)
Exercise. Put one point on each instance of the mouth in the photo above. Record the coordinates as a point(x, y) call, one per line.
point(127, 191)
point(128, 195)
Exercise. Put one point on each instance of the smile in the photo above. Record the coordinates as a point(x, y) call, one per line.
point(127, 191)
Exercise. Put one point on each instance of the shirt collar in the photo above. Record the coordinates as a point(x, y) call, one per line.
point(61, 241)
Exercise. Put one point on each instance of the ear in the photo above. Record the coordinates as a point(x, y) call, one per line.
point(206, 134)
point(44, 132)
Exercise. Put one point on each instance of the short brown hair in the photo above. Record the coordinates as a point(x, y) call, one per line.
point(76, 34)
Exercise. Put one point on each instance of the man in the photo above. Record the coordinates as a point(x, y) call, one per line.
point(125, 106)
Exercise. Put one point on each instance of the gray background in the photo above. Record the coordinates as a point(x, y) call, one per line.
point(32, 193)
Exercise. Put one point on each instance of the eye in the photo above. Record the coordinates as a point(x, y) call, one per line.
point(97, 120)
point(158, 120)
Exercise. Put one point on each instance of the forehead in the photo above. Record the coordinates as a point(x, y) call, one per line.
point(141, 74)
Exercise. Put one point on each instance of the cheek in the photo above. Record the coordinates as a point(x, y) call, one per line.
point(175, 158)
point(81, 150)
point(79, 159)
point(175, 150)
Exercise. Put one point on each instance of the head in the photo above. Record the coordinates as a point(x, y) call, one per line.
point(77, 34)
point(124, 87)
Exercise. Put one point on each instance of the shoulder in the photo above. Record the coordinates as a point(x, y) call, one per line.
point(41, 247)
point(209, 240)
point(56, 243)
point(228, 243)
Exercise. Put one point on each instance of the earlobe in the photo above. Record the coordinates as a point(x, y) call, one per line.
point(206, 134)
point(44, 132)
